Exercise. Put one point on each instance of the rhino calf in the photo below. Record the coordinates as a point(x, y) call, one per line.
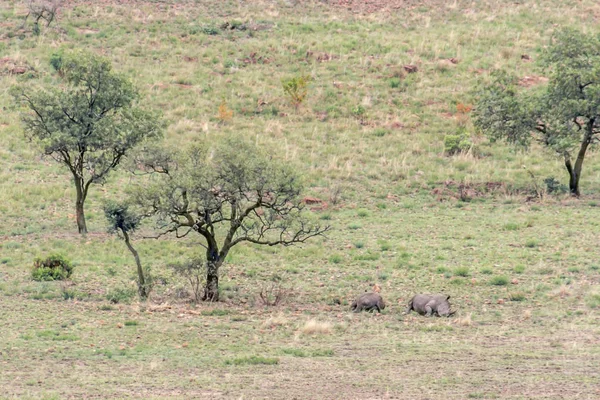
point(430, 304)
point(369, 302)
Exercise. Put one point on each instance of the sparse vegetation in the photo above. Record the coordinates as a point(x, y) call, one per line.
point(367, 144)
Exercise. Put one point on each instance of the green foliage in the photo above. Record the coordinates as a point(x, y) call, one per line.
point(296, 88)
point(458, 143)
point(86, 120)
point(53, 268)
point(553, 186)
point(120, 217)
point(563, 115)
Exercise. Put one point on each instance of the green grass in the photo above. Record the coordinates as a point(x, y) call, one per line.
point(368, 140)
point(253, 360)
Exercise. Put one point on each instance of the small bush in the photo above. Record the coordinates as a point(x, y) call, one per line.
point(499, 280)
point(296, 88)
point(53, 268)
point(553, 186)
point(194, 272)
point(458, 143)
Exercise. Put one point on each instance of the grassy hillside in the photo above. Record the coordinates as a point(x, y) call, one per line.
point(369, 140)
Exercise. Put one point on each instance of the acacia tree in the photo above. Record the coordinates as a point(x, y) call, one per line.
point(123, 221)
point(563, 116)
point(88, 123)
point(228, 195)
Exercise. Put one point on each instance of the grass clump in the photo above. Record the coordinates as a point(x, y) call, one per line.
point(313, 327)
point(517, 296)
point(462, 271)
point(253, 360)
point(336, 259)
point(593, 300)
point(53, 268)
point(519, 269)
point(120, 295)
point(499, 280)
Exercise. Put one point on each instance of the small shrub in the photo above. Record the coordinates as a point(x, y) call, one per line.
point(359, 245)
point(499, 280)
point(296, 89)
point(362, 213)
point(553, 186)
point(394, 82)
point(462, 271)
point(225, 114)
point(274, 293)
point(194, 272)
point(53, 268)
point(457, 143)
point(209, 30)
point(359, 111)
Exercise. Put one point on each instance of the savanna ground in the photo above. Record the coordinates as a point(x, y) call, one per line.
point(523, 272)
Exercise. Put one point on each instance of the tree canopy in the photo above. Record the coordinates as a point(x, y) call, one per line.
point(563, 116)
point(228, 194)
point(87, 120)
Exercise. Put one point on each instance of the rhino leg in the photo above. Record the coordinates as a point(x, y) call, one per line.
point(429, 310)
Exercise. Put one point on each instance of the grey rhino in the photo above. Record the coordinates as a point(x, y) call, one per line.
point(430, 304)
point(369, 302)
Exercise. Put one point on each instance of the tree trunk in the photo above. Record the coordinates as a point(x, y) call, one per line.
point(211, 291)
point(81, 226)
point(575, 171)
point(143, 289)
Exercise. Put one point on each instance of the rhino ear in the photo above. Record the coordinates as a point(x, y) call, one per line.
point(447, 297)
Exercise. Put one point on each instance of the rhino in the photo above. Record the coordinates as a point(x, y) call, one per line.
point(368, 301)
point(430, 304)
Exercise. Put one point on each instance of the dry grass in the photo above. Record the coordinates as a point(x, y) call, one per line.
point(315, 327)
point(276, 320)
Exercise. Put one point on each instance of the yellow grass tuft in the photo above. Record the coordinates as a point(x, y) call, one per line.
point(465, 321)
point(273, 321)
point(313, 327)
